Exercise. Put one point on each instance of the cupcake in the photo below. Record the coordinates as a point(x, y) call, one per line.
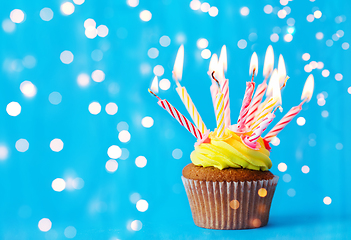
point(229, 185)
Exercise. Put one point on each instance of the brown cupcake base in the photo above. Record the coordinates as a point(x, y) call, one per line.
point(230, 205)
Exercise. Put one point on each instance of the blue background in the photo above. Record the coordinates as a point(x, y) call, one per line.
point(103, 208)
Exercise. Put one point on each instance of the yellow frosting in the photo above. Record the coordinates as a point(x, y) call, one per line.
point(229, 151)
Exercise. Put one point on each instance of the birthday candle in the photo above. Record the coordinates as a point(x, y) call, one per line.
point(214, 86)
point(224, 84)
point(174, 112)
point(306, 96)
point(250, 86)
point(255, 103)
point(183, 94)
point(271, 103)
point(220, 114)
point(189, 105)
point(257, 132)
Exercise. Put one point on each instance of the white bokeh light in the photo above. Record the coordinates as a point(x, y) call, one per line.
point(164, 84)
point(274, 37)
point(56, 145)
point(98, 76)
point(111, 108)
point(83, 80)
point(13, 109)
point(102, 31)
point(94, 108)
point(22, 145)
point(55, 98)
point(305, 169)
point(282, 167)
point(205, 7)
point(325, 73)
point(91, 32)
point(147, 122)
point(159, 70)
point(242, 44)
point(177, 153)
point(44, 224)
point(136, 225)
point(133, 3)
point(213, 11)
point(66, 57)
point(338, 77)
point(306, 56)
point(327, 200)
point(114, 152)
point(202, 43)
point(145, 15)
point(291, 192)
point(195, 5)
point(89, 23)
point(124, 136)
point(78, 183)
point(58, 185)
point(301, 121)
point(141, 161)
point(4, 152)
point(111, 165)
point(67, 8)
point(78, 2)
point(165, 41)
point(142, 205)
point(268, 9)
point(46, 14)
point(244, 11)
point(70, 232)
point(153, 53)
point(17, 16)
point(28, 89)
point(206, 54)
point(8, 26)
point(122, 126)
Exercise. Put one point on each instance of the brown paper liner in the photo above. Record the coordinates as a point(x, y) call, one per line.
point(230, 205)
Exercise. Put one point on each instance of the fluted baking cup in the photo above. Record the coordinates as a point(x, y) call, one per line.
point(230, 205)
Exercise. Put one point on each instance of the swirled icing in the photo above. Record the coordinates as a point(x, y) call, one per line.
point(230, 151)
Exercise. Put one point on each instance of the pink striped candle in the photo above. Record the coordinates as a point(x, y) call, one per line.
point(283, 122)
point(225, 91)
point(251, 141)
point(250, 86)
point(178, 116)
point(256, 101)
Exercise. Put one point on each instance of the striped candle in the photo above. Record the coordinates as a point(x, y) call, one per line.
point(282, 123)
point(180, 118)
point(257, 99)
point(214, 91)
point(189, 105)
point(267, 108)
point(250, 86)
point(220, 114)
point(225, 91)
point(257, 132)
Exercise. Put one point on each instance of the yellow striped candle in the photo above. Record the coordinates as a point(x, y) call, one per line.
point(220, 114)
point(189, 105)
point(267, 108)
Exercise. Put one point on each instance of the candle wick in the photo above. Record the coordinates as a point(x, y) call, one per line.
point(153, 94)
point(303, 102)
point(215, 79)
point(280, 109)
point(253, 74)
point(286, 79)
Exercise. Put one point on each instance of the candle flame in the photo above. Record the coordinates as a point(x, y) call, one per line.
point(253, 63)
point(271, 83)
point(281, 70)
point(219, 72)
point(276, 89)
point(178, 64)
point(268, 62)
point(308, 89)
point(223, 58)
point(213, 63)
point(154, 85)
